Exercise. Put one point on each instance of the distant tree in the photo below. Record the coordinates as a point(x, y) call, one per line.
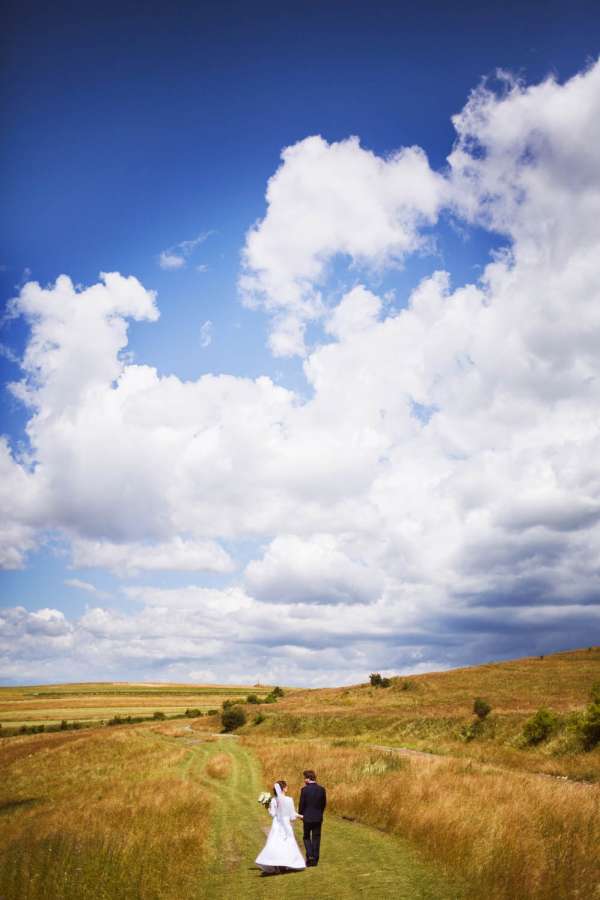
point(233, 717)
point(193, 713)
point(377, 680)
point(481, 708)
point(278, 692)
point(64, 725)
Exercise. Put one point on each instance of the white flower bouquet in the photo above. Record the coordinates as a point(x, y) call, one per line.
point(264, 799)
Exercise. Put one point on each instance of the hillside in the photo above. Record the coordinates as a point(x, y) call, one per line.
point(433, 711)
point(469, 818)
point(561, 680)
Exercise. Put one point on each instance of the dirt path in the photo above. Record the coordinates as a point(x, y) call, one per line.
point(526, 773)
point(357, 861)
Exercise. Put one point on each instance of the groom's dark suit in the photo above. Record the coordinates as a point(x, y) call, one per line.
point(313, 800)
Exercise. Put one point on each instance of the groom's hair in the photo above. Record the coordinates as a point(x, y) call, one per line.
point(310, 775)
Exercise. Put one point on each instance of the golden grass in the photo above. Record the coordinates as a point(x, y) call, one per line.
point(219, 766)
point(561, 681)
point(512, 835)
point(98, 815)
point(97, 702)
point(428, 712)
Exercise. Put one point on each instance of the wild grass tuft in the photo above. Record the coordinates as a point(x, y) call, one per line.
point(219, 766)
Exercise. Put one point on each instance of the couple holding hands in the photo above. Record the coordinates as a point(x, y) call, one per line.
point(281, 852)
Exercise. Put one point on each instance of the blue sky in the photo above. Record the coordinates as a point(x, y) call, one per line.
point(132, 130)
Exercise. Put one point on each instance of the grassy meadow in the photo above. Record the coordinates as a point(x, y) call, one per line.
point(508, 834)
point(433, 713)
point(421, 804)
point(169, 812)
point(98, 703)
point(101, 814)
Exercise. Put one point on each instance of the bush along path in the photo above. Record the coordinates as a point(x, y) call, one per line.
point(356, 860)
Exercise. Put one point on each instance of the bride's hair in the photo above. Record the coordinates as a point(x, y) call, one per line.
point(282, 784)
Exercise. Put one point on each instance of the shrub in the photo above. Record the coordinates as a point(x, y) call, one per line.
point(193, 713)
point(471, 731)
point(64, 725)
point(212, 712)
point(270, 699)
point(252, 698)
point(588, 727)
point(278, 692)
point(233, 717)
point(540, 726)
point(481, 708)
point(377, 680)
point(258, 719)
point(157, 715)
point(407, 685)
point(228, 703)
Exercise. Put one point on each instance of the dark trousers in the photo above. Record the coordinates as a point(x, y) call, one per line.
point(312, 840)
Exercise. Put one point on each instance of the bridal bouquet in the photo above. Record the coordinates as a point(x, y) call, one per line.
point(264, 799)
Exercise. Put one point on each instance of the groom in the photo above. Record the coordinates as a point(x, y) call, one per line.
point(313, 800)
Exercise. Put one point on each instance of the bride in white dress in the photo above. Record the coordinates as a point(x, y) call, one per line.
point(281, 849)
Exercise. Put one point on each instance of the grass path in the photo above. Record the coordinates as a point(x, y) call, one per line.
point(356, 861)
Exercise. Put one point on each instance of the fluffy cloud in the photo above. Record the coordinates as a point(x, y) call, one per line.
point(310, 571)
point(326, 200)
point(434, 501)
point(128, 559)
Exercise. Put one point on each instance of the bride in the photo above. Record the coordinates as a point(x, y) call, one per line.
point(281, 850)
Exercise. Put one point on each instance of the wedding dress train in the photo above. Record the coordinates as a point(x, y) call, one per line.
point(281, 848)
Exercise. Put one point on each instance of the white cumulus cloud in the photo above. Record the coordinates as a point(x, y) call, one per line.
point(435, 500)
point(326, 200)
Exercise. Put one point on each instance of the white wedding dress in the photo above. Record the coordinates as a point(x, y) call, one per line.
point(281, 848)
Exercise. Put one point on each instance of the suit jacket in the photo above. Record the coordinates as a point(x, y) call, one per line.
point(313, 800)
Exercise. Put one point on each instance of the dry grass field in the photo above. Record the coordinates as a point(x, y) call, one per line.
point(99, 814)
point(510, 835)
point(167, 811)
point(430, 712)
point(50, 704)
